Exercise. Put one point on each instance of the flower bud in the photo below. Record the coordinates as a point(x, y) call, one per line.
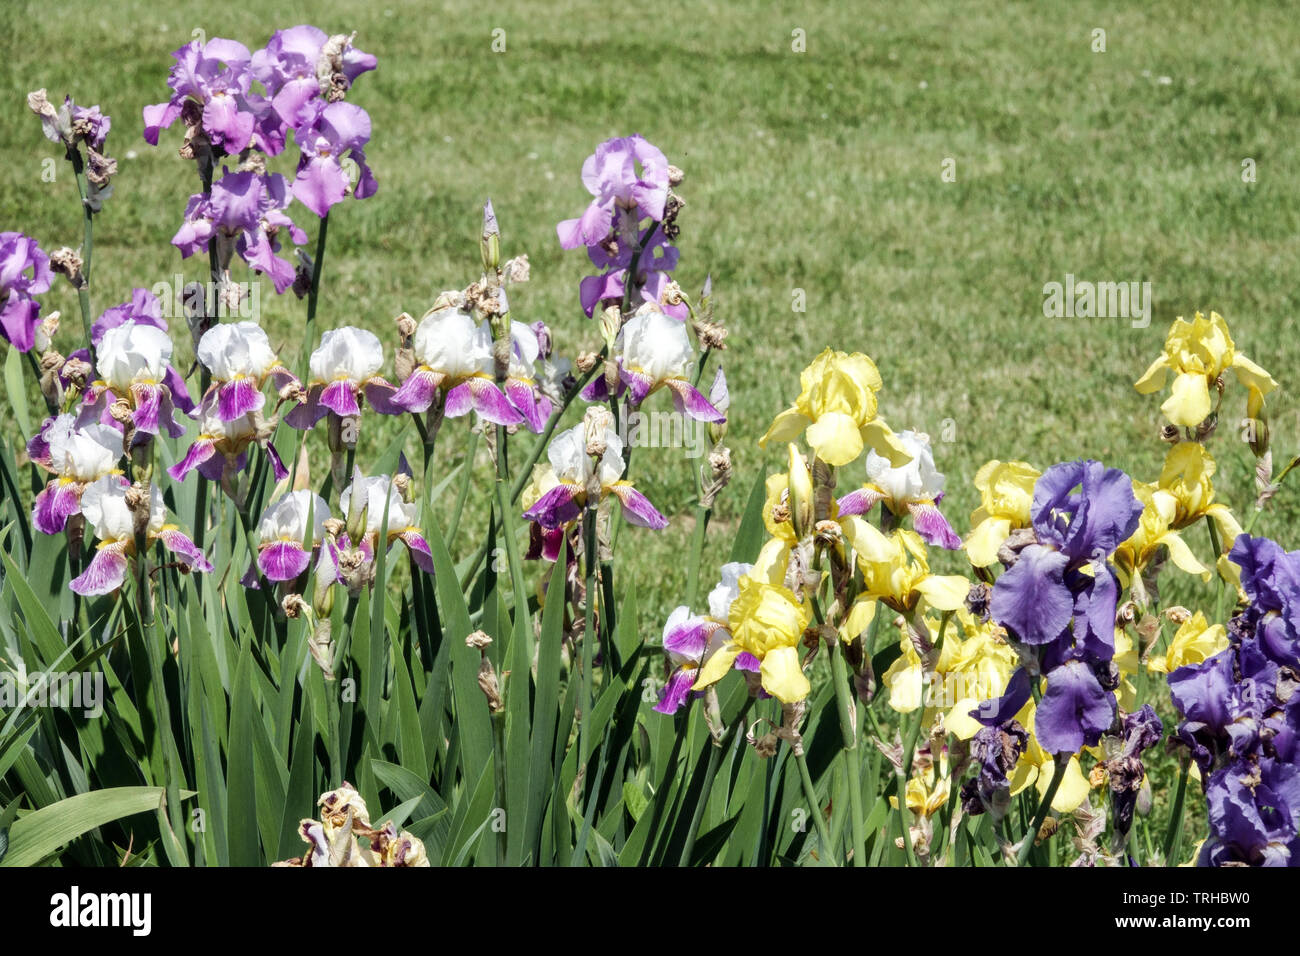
point(490, 242)
point(1256, 423)
point(358, 505)
point(801, 493)
point(611, 320)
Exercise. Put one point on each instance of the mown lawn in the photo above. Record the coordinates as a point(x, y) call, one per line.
point(817, 171)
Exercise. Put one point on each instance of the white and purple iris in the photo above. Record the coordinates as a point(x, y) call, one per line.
point(344, 368)
point(105, 506)
point(374, 494)
point(454, 356)
point(559, 491)
point(688, 639)
point(291, 529)
point(134, 365)
point(241, 360)
point(653, 351)
point(221, 448)
point(915, 488)
point(76, 457)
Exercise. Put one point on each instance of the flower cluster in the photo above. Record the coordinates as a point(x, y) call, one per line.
point(1241, 716)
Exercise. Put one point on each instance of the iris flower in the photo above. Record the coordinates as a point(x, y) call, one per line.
point(240, 358)
point(1006, 496)
point(689, 638)
point(221, 448)
point(454, 356)
point(291, 66)
point(344, 367)
point(896, 573)
point(336, 132)
point(558, 491)
point(1195, 641)
point(76, 457)
point(286, 539)
point(24, 273)
point(766, 621)
point(108, 509)
point(1196, 354)
point(836, 408)
point(373, 495)
point(624, 173)
point(914, 488)
point(134, 362)
point(653, 351)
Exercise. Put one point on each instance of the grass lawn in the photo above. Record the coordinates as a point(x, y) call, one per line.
point(817, 171)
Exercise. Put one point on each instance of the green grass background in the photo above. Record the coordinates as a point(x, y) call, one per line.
point(817, 171)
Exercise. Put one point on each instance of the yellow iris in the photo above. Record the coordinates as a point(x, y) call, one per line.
point(1193, 642)
point(1006, 495)
point(1197, 353)
point(767, 621)
point(1155, 530)
point(1186, 477)
point(895, 572)
point(836, 408)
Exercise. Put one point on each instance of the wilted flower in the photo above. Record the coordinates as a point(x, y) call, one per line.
point(108, 509)
point(24, 272)
point(344, 367)
point(914, 488)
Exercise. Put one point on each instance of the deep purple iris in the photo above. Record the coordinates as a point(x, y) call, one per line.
point(24, 273)
point(1060, 597)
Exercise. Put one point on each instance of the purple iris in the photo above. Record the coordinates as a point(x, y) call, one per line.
point(1241, 716)
point(211, 90)
point(334, 132)
point(24, 272)
point(290, 67)
point(996, 749)
point(1060, 596)
point(246, 207)
point(628, 180)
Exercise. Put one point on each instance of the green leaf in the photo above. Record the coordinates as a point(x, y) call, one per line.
point(17, 390)
point(752, 531)
point(41, 834)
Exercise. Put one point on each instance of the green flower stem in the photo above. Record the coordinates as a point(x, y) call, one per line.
point(702, 514)
point(1174, 832)
point(715, 759)
point(313, 294)
point(1027, 843)
point(814, 807)
point(1219, 594)
point(588, 633)
point(848, 733)
point(87, 248)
